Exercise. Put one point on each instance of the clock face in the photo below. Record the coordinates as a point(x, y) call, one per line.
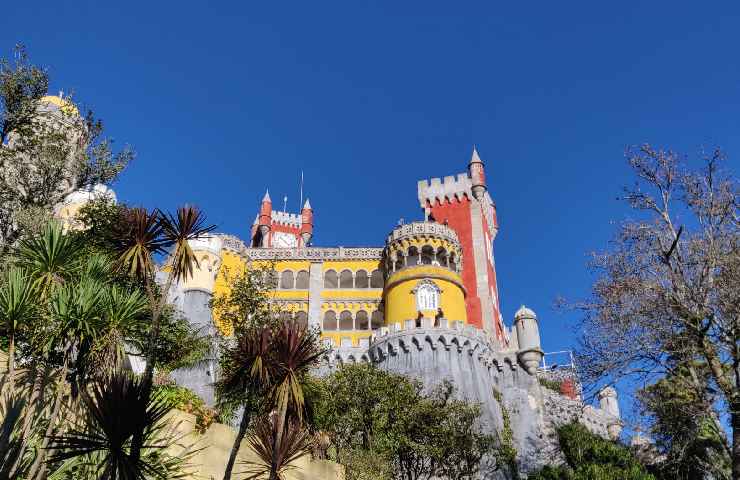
point(284, 240)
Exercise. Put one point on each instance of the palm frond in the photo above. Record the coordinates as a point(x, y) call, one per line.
point(178, 230)
point(116, 408)
point(17, 300)
point(138, 240)
point(246, 365)
point(296, 351)
point(276, 452)
point(51, 257)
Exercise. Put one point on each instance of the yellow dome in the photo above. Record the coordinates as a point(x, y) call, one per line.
point(65, 106)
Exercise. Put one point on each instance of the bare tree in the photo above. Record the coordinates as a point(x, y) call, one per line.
point(667, 293)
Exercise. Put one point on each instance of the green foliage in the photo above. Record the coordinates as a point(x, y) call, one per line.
point(685, 424)
point(506, 452)
point(186, 400)
point(42, 159)
point(247, 304)
point(590, 457)
point(549, 384)
point(377, 417)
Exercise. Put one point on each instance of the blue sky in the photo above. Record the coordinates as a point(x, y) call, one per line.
point(222, 100)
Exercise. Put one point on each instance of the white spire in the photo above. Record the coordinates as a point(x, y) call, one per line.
point(307, 205)
point(266, 198)
point(475, 158)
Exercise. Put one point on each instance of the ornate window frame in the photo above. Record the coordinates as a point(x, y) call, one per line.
point(428, 295)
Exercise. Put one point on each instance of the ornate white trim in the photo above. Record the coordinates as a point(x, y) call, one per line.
point(235, 245)
point(416, 229)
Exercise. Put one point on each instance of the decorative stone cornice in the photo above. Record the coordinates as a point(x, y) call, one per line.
point(422, 229)
point(235, 245)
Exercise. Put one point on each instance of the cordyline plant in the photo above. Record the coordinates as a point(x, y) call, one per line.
point(141, 237)
point(267, 368)
point(667, 296)
point(100, 444)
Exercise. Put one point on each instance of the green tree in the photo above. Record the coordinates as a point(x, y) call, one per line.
point(667, 292)
point(370, 413)
point(40, 162)
point(590, 457)
point(685, 425)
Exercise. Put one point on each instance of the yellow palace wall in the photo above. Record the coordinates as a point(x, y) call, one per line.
point(400, 301)
point(293, 300)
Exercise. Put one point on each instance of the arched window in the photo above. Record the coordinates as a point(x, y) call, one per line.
point(345, 279)
point(362, 320)
point(301, 280)
point(330, 321)
point(427, 255)
point(453, 262)
point(376, 320)
point(442, 257)
point(345, 321)
point(413, 258)
point(361, 279)
point(301, 319)
point(286, 280)
point(399, 262)
point(376, 279)
point(330, 279)
point(427, 295)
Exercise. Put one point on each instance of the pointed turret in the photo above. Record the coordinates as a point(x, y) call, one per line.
point(306, 223)
point(265, 218)
point(477, 175)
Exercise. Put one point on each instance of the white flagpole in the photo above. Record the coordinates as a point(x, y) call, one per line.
point(300, 206)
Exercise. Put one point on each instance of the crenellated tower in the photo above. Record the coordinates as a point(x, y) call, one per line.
point(422, 267)
point(279, 229)
point(463, 203)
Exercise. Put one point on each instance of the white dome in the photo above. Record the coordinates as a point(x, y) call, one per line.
point(90, 193)
point(524, 312)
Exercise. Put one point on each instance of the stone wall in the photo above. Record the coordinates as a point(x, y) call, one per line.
point(464, 355)
point(215, 444)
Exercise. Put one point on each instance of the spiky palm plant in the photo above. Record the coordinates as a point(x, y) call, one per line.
point(189, 223)
point(149, 234)
point(51, 257)
point(125, 312)
point(296, 350)
point(271, 364)
point(277, 446)
point(17, 309)
point(138, 240)
point(245, 378)
point(115, 409)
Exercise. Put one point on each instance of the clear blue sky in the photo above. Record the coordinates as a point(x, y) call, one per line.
point(222, 100)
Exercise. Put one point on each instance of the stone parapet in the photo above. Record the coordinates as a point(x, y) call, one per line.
point(422, 229)
point(560, 410)
point(235, 245)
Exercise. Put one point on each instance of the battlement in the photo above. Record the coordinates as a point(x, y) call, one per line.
point(422, 229)
point(287, 219)
point(448, 189)
point(451, 336)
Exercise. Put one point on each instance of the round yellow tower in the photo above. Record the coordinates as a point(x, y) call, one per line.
point(422, 266)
